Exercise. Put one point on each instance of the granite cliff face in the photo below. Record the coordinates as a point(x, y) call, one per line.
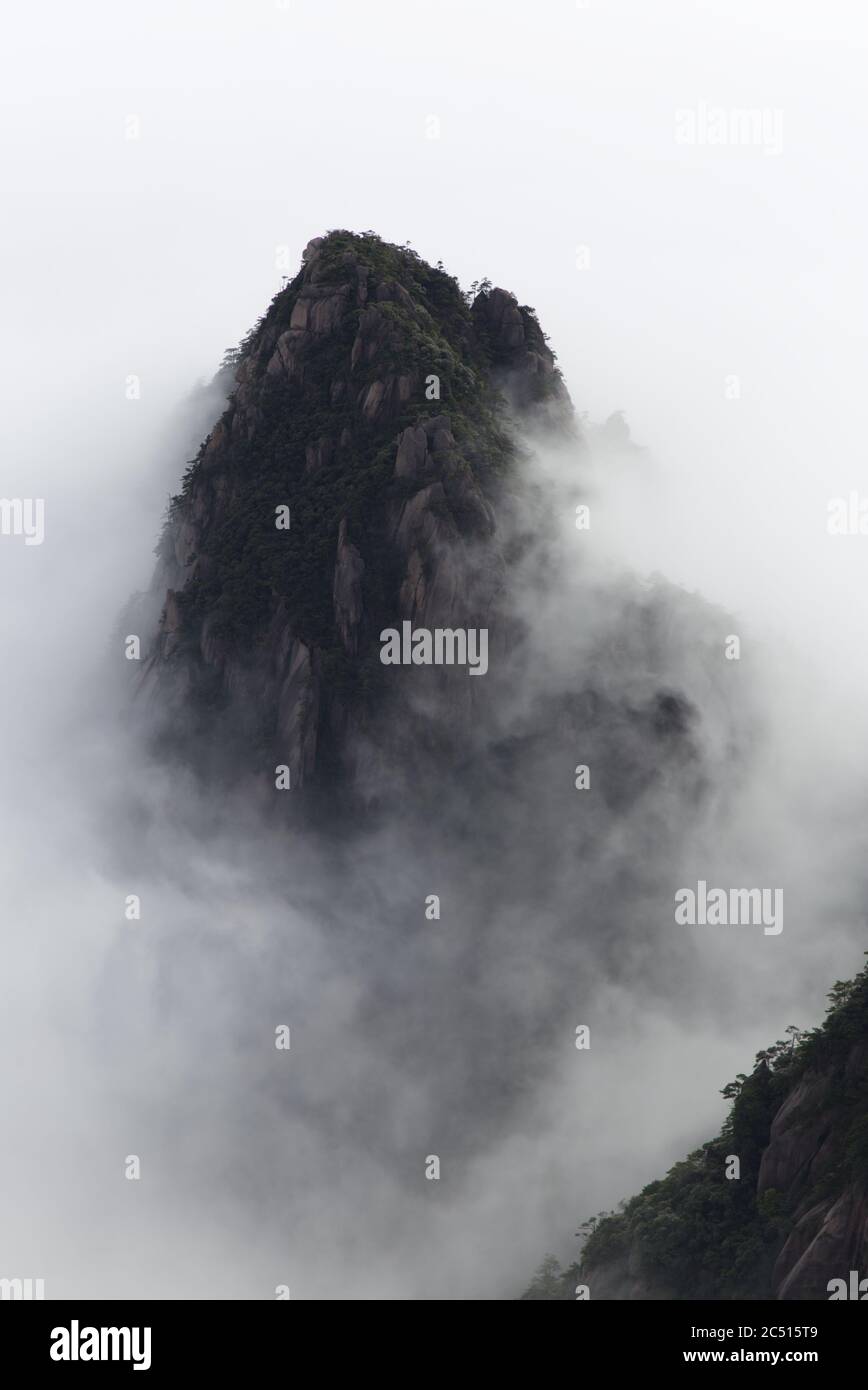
point(370, 470)
point(817, 1157)
point(377, 406)
point(797, 1216)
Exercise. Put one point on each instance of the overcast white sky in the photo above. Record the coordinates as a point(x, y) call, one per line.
point(265, 123)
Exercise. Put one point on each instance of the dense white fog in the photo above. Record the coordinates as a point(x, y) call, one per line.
point(713, 292)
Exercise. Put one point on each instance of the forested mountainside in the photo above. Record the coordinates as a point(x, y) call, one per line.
point(795, 1217)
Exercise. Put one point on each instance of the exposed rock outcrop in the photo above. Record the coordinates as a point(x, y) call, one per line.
point(370, 470)
point(367, 403)
point(793, 1221)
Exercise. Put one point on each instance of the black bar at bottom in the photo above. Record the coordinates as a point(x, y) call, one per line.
point(218, 1338)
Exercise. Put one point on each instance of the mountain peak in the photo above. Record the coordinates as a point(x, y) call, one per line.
point(351, 484)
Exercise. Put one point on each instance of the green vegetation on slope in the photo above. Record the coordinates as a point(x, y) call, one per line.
point(698, 1235)
point(249, 565)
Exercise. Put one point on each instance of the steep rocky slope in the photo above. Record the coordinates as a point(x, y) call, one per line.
point(387, 413)
point(371, 402)
point(794, 1219)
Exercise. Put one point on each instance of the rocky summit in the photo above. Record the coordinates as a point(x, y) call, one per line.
point(351, 484)
point(369, 471)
